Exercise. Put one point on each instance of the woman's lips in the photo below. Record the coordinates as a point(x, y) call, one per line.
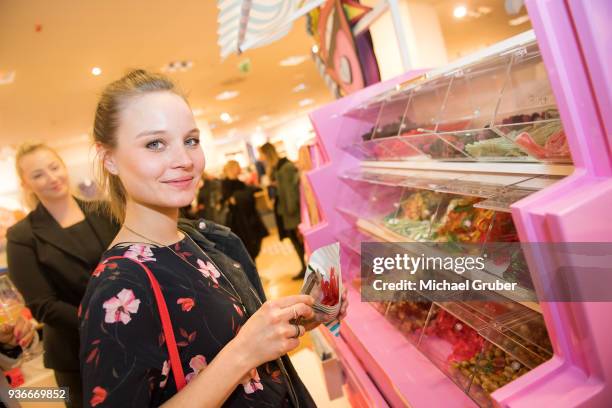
point(182, 182)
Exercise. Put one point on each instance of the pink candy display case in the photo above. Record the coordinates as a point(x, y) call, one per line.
point(498, 109)
point(526, 130)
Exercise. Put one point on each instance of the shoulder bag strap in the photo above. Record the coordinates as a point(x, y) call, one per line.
point(175, 360)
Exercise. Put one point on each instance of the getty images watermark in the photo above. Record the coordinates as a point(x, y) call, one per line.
point(455, 271)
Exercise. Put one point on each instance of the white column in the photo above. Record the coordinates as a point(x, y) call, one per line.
point(422, 32)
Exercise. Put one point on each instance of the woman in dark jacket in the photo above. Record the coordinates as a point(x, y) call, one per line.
point(286, 180)
point(51, 254)
point(242, 218)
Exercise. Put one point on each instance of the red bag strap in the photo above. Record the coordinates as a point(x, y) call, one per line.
point(175, 360)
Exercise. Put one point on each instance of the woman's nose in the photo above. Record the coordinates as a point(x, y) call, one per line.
point(182, 159)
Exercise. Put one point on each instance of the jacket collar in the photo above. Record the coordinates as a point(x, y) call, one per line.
point(46, 228)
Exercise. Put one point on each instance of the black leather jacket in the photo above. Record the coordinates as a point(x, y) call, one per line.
point(229, 253)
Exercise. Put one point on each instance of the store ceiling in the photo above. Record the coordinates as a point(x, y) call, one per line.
point(53, 46)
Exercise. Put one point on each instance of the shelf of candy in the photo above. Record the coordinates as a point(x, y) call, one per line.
point(491, 369)
point(413, 217)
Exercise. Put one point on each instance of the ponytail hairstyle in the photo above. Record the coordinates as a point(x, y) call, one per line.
point(113, 100)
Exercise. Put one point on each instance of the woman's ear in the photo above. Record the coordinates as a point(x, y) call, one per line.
point(108, 160)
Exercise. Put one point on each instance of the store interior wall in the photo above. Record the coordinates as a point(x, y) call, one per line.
point(421, 28)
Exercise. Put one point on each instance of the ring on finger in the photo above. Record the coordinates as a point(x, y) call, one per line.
point(297, 331)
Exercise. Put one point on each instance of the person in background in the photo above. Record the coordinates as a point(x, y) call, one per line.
point(209, 198)
point(222, 343)
point(51, 253)
point(285, 178)
point(242, 217)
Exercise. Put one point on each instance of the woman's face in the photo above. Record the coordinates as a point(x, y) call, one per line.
point(158, 155)
point(44, 174)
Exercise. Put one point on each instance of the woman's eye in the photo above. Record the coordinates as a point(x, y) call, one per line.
point(155, 145)
point(193, 141)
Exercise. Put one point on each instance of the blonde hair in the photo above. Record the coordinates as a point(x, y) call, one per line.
point(29, 198)
point(114, 98)
point(231, 164)
point(272, 157)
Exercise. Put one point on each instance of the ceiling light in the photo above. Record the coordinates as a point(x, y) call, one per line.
point(175, 66)
point(293, 61)
point(306, 102)
point(225, 117)
point(226, 95)
point(95, 71)
point(7, 77)
point(299, 88)
point(315, 49)
point(519, 20)
point(460, 11)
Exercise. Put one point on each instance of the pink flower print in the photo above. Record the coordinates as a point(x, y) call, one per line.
point(139, 252)
point(119, 308)
point(197, 364)
point(252, 383)
point(102, 267)
point(99, 269)
point(209, 270)
point(186, 304)
point(164, 374)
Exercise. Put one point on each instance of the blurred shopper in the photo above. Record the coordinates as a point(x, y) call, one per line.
point(242, 217)
point(285, 178)
point(209, 199)
point(176, 307)
point(51, 253)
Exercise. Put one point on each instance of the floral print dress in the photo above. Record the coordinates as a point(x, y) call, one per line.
point(124, 357)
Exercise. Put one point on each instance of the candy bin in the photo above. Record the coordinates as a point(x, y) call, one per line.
point(409, 317)
point(413, 217)
point(493, 368)
point(452, 345)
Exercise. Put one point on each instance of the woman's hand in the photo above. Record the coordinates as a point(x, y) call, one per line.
point(20, 334)
point(268, 334)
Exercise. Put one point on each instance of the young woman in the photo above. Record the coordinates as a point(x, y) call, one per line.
point(285, 178)
point(242, 218)
point(232, 347)
point(51, 254)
